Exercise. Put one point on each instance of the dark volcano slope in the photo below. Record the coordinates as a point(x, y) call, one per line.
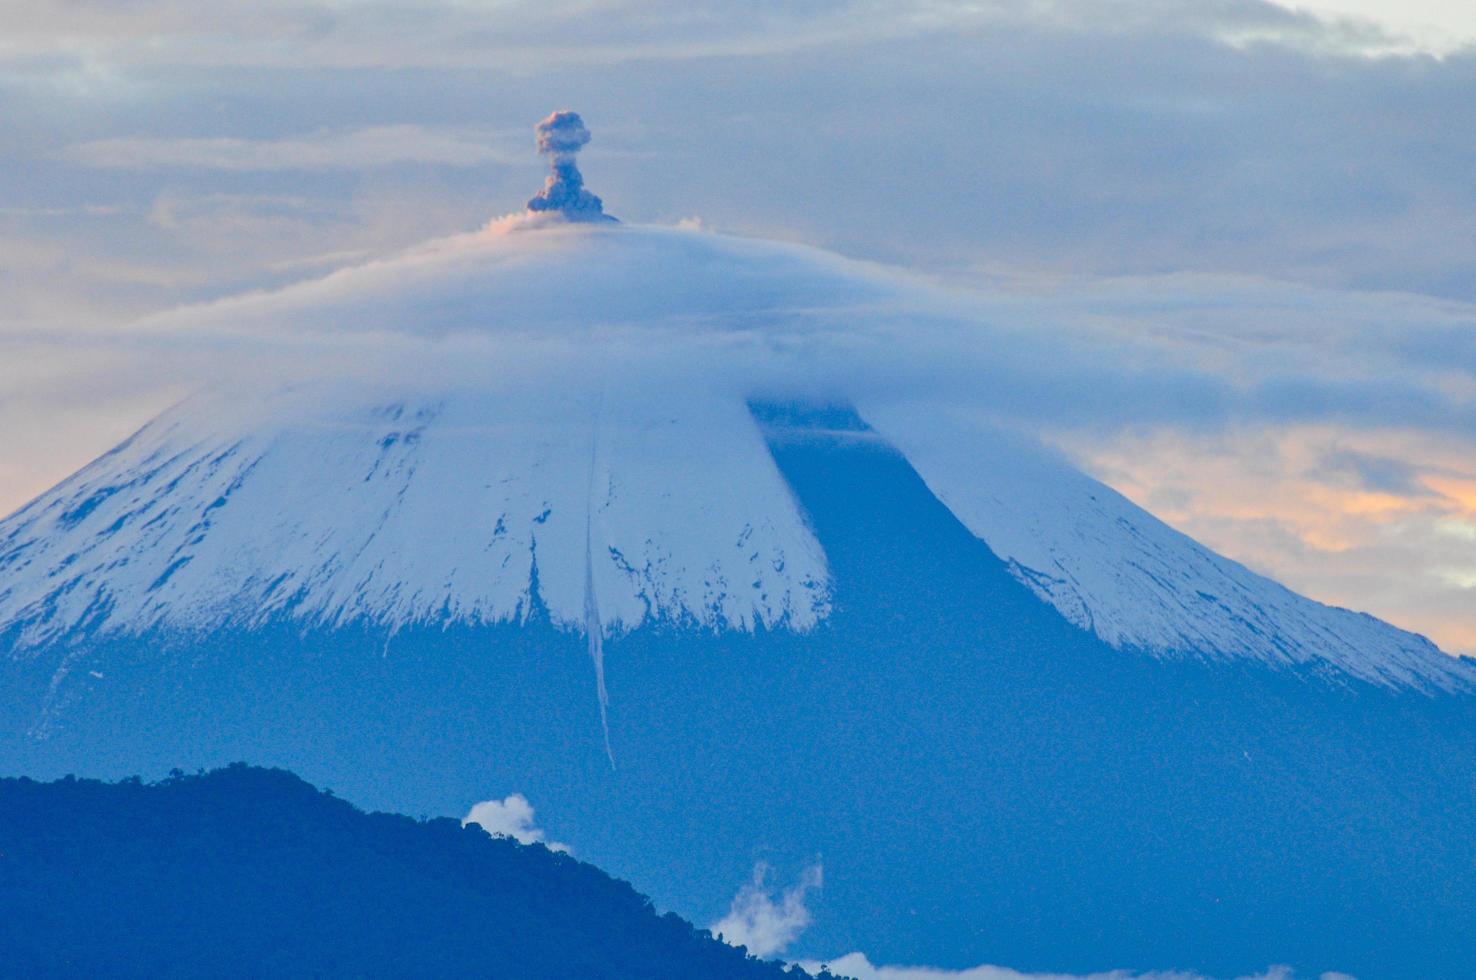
point(982, 781)
point(252, 872)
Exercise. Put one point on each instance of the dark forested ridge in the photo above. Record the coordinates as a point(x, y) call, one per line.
point(252, 872)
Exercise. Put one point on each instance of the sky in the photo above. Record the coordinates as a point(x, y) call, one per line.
point(1284, 188)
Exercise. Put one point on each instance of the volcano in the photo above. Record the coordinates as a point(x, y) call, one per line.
point(632, 520)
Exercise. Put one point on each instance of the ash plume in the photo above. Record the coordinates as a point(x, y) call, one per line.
point(560, 137)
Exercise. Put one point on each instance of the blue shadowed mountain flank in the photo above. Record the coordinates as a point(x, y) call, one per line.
point(984, 781)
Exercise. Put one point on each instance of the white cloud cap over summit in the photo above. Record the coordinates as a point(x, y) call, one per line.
point(539, 340)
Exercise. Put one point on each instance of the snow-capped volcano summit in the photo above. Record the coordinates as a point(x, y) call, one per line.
point(560, 417)
point(759, 526)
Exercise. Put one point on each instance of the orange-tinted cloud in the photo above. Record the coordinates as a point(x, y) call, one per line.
point(1382, 521)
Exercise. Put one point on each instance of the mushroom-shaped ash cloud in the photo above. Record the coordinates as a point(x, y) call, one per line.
point(560, 137)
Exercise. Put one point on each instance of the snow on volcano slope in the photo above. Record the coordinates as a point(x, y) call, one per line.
point(557, 415)
point(1114, 569)
point(411, 514)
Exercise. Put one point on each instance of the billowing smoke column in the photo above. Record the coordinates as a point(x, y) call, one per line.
point(560, 137)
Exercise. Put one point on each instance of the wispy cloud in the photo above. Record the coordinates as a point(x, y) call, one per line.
point(1405, 26)
point(90, 210)
point(318, 32)
point(376, 146)
point(767, 921)
point(858, 966)
point(1364, 518)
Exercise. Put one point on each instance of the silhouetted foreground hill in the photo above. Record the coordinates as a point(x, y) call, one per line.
point(247, 871)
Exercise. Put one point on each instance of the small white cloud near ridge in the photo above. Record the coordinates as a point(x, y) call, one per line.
point(511, 817)
point(763, 922)
point(856, 965)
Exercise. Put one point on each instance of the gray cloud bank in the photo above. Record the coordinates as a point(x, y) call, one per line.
point(1141, 137)
point(276, 32)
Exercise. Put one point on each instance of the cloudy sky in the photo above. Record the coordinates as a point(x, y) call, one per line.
point(1285, 189)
